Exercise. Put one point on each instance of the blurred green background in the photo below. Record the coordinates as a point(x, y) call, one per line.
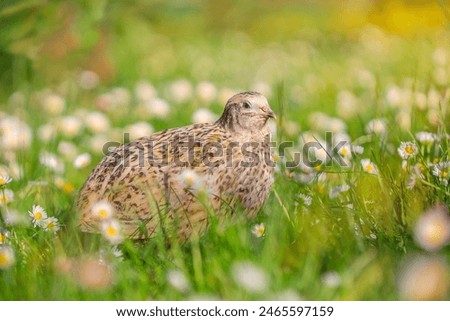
point(47, 41)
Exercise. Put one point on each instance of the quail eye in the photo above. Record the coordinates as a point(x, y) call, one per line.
point(246, 105)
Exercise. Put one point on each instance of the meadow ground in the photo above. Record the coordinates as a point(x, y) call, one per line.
point(377, 228)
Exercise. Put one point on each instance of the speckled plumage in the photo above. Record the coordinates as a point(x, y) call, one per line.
point(143, 179)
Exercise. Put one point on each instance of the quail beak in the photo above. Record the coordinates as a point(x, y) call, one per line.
point(268, 112)
point(271, 114)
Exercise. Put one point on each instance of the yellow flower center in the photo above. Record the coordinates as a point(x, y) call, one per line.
point(409, 149)
point(111, 231)
point(190, 180)
point(2, 181)
point(102, 213)
point(38, 216)
point(344, 151)
point(3, 260)
point(2, 238)
point(51, 225)
point(369, 168)
point(444, 174)
point(68, 188)
point(320, 187)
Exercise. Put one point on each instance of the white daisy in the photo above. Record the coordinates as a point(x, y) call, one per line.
point(50, 224)
point(117, 253)
point(111, 230)
point(144, 91)
point(250, 277)
point(178, 280)
point(357, 149)
point(54, 104)
point(432, 231)
point(407, 150)
point(5, 179)
point(52, 162)
point(158, 107)
point(14, 134)
point(12, 217)
point(347, 104)
point(331, 279)
point(120, 97)
point(38, 215)
point(415, 177)
point(67, 149)
point(139, 129)
point(88, 80)
point(4, 235)
point(102, 210)
point(346, 151)
point(7, 257)
point(335, 191)
point(206, 91)
point(259, 230)
point(203, 116)
point(425, 137)
point(376, 126)
point(181, 91)
point(70, 126)
point(82, 161)
point(47, 132)
point(306, 199)
point(6, 196)
point(190, 179)
point(442, 172)
point(97, 122)
point(368, 166)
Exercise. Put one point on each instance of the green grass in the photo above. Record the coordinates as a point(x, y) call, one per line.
point(363, 236)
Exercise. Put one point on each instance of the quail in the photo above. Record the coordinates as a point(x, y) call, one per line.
point(173, 178)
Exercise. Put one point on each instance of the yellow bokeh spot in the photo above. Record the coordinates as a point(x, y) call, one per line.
point(320, 187)
point(68, 188)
